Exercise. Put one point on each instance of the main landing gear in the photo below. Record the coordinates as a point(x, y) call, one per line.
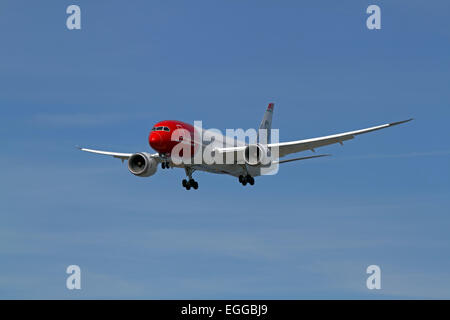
point(190, 183)
point(246, 179)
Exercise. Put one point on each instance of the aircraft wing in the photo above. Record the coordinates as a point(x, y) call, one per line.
point(286, 148)
point(123, 156)
point(119, 155)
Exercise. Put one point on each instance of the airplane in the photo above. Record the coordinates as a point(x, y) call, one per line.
point(248, 161)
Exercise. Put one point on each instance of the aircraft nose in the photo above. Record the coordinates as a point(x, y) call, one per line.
point(155, 140)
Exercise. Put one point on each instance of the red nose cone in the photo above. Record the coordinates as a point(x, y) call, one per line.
point(155, 140)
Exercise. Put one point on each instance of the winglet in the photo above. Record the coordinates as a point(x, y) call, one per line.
point(400, 122)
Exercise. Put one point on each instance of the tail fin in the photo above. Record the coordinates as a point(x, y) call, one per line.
point(266, 122)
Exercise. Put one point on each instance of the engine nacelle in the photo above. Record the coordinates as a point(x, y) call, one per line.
point(142, 165)
point(256, 154)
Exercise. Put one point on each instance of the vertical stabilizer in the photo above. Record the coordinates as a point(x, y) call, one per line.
point(266, 122)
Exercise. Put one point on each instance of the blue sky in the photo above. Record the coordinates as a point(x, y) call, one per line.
point(308, 232)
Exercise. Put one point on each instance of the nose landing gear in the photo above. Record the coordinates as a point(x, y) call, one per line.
point(165, 165)
point(246, 179)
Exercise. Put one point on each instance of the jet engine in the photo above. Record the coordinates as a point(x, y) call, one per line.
point(256, 154)
point(142, 164)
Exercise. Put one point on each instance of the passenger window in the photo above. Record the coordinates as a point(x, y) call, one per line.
point(166, 129)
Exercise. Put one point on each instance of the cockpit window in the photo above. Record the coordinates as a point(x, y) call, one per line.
point(161, 129)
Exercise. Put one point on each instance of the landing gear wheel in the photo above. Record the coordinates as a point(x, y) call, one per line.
point(167, 165)
point(246, 179)
point(163, 165)
point(188, 184)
